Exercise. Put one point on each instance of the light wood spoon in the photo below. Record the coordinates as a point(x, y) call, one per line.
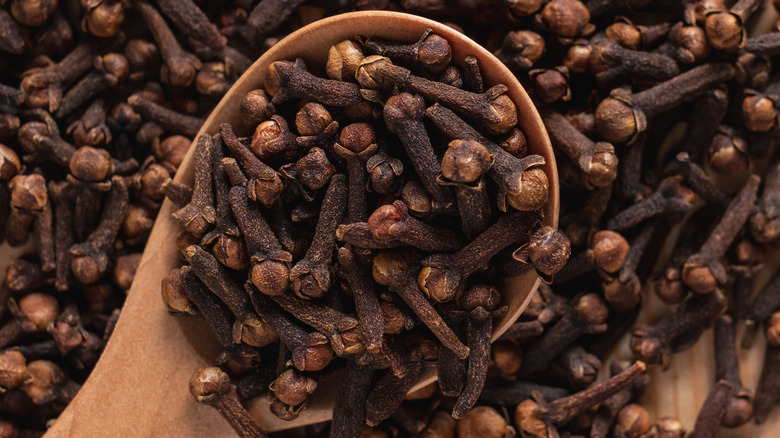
point(140, 385)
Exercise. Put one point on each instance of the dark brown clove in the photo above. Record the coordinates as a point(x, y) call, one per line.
point(670, 197)
point(357, 272)
point(199, 215)
point(403, 114)
point(588, 315)
point(596, 161)
point(607, 413)
point(493, 109)
point(214, 312)
point(172, 121)
point(610, 62)
point(335, 325)
point(463, 165)
point(522, 182)
point(540, 419)
point(765, 220)
point(90, 259)
point(311, 277)
point(704, 270)
point(270, 263)
point(739, 407)
point(110, 70)
point(192, 21)
point(444, 275)
point(179, 67)
point(697, 179)
point(357, 145)
point(655, 343)
point(392, 222)
point(264, 183)
point(397, 271)
point(622, 115)
point(287, 80)
point(479, 301)
point(247, 326)
point(310, 351)
point(711, 414)
point(431, 52)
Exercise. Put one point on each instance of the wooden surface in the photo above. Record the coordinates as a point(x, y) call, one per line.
point(140, 385)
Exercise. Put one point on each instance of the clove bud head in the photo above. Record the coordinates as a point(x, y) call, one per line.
point(617, 121)
point(534, 191)
point(724, 29)
point(699, 277)
point(254, 107)
point(45, 376)
point(548, 250)
point(434, 54)
point(609, 250)
point(13, 369)
point(312, 119)
point(480, 295)
point(270, 277)
point(439, 284)
point(209, 384)
point(357, 137)
point(9, 163)
point(292, 387)
point(369, 73)
point(90, 164)
point(466, 161)
point(343, 60)
point(28, 192)
point(39, 309)
point(603, 167)
point(314, 357)
point(759, 113)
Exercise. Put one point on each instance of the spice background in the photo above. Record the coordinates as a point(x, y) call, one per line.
point(678, 391)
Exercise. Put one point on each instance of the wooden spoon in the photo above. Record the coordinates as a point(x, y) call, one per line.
point(140, 385)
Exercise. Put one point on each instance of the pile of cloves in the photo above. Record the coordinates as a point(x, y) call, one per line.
point(358, 226)
point(614, 80)
point(99, 103)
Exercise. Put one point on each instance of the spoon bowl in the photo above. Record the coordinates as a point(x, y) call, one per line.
point(140, 385)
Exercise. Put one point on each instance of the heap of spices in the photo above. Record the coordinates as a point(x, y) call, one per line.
point(354, 234)
point(681, 61)
point(90, 127)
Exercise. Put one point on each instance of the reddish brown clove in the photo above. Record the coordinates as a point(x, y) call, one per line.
point(211, 386)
